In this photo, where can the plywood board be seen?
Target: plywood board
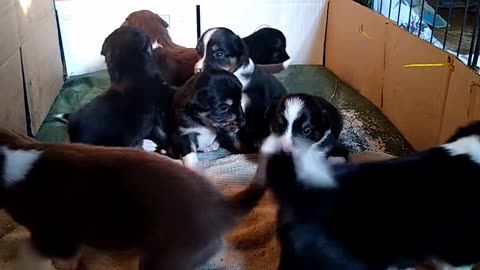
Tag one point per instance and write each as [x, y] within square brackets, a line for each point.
[303, 22]
[414, 98]
[463, 100]
[30, 13]
[43, 68]
[12, 106]
[355, 47]
[8, 31]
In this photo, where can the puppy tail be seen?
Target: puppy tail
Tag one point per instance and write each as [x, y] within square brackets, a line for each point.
[63, 117]
[244, 201]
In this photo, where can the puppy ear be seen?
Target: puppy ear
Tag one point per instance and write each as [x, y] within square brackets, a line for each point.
[243, 50]
[199, 100]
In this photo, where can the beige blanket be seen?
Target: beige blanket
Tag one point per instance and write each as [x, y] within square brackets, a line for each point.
[251, 245]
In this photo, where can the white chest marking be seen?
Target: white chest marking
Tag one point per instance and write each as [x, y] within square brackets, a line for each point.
[205, 136]
[469, 146]
[18, 163]
[244, 73]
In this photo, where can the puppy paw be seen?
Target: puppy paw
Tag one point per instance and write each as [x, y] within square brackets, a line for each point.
[66, 264]
[149, 146]
[336, 160]
[213, 147]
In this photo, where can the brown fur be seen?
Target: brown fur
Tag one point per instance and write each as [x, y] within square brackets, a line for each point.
[121, 199]
[152, 24]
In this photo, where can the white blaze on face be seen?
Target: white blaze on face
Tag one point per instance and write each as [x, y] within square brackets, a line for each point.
[469, 146]
[18, 163]
[200, 65]
[293, 109]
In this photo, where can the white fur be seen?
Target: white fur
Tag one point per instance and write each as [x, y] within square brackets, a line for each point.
[18, 163]
[244, 73]
[469, 146]
[274, 144]
[191, 160]
[311, 166]
[287, 63]
[156, 45]
[245, 101]
[200, 65]
[205, 138]
[293, 108]
[149, 145]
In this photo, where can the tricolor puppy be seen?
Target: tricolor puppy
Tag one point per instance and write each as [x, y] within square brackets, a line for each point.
[137, 103]
[395, 213]
[309, 117]
[220, 48]
[71, 196]
[208, 113]
[267, 46]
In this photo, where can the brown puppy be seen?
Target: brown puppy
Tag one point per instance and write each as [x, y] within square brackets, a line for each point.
[71, 196]
[176, 62]
[152, 24]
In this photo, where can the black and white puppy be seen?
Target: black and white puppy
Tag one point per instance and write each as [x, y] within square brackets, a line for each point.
[267, 46]
[208, 114]
[394, 213]
[135, 106]
[221, 48]
[309, 117]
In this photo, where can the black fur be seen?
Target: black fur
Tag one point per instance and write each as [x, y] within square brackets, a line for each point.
[316, 118]
[267, 46]
[135, 107]
[209, 101]
[402, 212]
[226, 50]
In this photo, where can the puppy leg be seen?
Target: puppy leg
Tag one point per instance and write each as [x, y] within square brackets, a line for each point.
[213, 147]
[188, 151]
[63, 250]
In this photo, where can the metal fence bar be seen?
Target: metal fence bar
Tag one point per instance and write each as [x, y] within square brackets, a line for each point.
[474, 35]
[421, 18]
[448, 23]
[435, 20]
[389, 9]
[463, 27]
[399, 8]
[410, 15]
[477, 49]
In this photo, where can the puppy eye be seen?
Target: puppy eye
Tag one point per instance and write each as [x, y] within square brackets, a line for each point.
[218, 54]
[306, 131]
[224, 108]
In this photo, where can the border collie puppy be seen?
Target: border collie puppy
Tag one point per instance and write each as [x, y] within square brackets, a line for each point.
[309, 117]
[135, 106]
[208, 114]
[153, 25]
[267, 46]
[71, 196]
[220, 48]
[393, 213]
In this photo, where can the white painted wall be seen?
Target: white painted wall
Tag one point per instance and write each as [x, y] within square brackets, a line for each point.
[84, 24]
[302, 21]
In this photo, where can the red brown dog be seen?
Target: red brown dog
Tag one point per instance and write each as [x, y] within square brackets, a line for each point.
[71, 196]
